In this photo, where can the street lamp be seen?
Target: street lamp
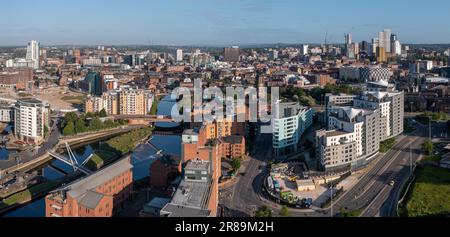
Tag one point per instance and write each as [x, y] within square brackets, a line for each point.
[410, 159]
[331, 190]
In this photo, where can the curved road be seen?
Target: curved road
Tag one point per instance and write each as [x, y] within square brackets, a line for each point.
[372, 194]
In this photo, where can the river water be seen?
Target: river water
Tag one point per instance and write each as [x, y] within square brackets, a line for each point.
[142, 158]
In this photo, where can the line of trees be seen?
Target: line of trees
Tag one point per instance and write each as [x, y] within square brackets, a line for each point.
[73, 124]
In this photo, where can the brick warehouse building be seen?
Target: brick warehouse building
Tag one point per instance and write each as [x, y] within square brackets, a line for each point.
[97, 195]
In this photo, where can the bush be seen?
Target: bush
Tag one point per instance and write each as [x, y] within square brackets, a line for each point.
[263, 211]
[428, 146]
[385, 146]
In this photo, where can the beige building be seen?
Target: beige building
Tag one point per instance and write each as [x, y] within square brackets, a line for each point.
[126, 101]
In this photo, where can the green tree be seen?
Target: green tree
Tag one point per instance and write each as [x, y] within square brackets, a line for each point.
[154, 109]
[236, 163]
[428, 146]
[263, 211]
[46, 130]
[109, 123]
[71, 117]
[103, 114]
[96, 124]
[285, 212]
[89, 115]
[69, 129]
[80, 126]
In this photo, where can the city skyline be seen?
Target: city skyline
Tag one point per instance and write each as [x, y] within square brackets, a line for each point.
[218, 22]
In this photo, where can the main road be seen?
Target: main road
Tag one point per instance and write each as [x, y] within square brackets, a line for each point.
[372, 194]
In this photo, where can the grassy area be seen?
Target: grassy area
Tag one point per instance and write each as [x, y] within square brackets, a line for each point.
[118, 146]
[154, 109]
[385, 146]
[79, 99]
[28, 194]
[432, 158]
[355, 213]
[100, 158]
[429, 195]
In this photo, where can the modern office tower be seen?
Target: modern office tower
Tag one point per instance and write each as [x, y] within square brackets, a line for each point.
[348, 39]
[232, 54]
[179, 55]
[381, 55]
[397, 48]
[357, 124]
[92, 84]
[305, 49]
[97, 195]
[375, 45]
[365, 47]
[352, 50]
[33, 53]
[32, 118]
[290, 122]
[385, 40]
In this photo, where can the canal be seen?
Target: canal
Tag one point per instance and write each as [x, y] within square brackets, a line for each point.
[142, 158]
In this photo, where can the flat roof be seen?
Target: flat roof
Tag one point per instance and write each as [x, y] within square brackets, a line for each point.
[197, 165]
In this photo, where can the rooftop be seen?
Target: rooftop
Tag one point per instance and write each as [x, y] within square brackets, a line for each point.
[197, 165]
[91, 199]
[81, 187]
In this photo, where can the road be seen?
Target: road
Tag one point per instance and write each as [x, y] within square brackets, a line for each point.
[29, 155]
[372, 194]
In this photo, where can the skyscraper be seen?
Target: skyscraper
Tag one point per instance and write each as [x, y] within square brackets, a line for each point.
[232, 54]
[179, 55]
[33, 53]
[385, 40]
[305, 49]
[348, 39]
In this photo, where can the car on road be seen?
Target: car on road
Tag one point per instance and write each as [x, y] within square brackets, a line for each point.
[392, 183]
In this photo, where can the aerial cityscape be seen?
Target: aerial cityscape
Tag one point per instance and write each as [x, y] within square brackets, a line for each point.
[234, 113]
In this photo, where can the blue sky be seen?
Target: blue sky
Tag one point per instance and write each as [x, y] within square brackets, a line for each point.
[220, 22]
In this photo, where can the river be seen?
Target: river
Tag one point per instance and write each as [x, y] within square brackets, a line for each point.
[142, 158]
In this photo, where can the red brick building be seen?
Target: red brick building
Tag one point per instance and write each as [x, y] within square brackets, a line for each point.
[164, 170]
[97, 195]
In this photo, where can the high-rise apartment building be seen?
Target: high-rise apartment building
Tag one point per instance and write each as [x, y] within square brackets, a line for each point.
[232, 54]
[290, 122]
[33, 53]
[124, 101]
[357, 124]
[179, 55]
[32, 118]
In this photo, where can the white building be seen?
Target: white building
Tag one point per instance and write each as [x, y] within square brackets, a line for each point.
[384, 38]
[179, 55]
[304, 50]
[290, 122]
[6, 114]
[33, 53]
[357, 124]
[32, 117]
